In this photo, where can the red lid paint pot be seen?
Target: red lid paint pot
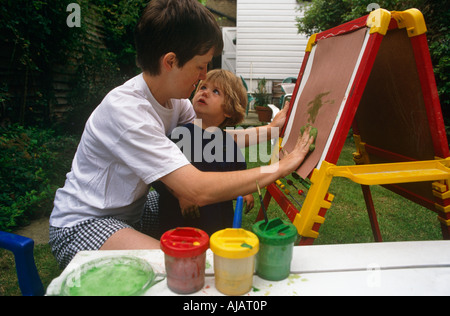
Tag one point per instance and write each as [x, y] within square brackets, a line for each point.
[185, 258]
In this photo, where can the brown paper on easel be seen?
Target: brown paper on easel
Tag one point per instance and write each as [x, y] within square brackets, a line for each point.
[334, 62]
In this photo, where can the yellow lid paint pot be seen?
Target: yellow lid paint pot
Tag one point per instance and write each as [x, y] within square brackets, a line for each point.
[234, 260]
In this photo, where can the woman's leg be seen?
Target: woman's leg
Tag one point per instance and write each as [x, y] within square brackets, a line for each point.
[93, 234]
[128, 238]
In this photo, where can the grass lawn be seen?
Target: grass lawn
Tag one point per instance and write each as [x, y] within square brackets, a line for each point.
[346, 222]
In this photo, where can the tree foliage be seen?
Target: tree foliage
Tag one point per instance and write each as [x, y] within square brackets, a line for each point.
[36, 38]
[99, 54]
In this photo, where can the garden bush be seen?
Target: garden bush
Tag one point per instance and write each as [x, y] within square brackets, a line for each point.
[33, 163]
[33, 158]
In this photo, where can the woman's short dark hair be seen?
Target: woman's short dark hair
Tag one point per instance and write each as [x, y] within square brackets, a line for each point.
[184, 27]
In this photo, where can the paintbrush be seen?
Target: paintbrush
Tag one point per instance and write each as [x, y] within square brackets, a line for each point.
[262, 203]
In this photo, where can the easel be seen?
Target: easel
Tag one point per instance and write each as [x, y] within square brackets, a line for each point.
[392, 104]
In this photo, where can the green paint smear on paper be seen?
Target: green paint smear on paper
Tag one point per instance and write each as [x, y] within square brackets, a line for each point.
[316, 104]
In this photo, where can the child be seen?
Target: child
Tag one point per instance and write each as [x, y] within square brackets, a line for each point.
[220, 101]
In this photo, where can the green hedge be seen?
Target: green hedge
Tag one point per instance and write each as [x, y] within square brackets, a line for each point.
[33, 163]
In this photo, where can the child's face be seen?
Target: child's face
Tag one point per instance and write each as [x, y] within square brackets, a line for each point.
[208, 104]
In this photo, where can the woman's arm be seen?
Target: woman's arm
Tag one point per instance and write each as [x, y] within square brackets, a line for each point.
[205, 188]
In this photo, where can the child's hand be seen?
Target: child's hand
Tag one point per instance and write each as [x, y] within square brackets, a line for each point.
[249, 203]
[188, 209]
[280, 118]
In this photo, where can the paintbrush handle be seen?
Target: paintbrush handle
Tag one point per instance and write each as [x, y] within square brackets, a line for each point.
[237, 219]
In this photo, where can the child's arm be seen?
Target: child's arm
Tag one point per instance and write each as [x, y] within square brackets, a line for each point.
[211, 187]
[255, 135]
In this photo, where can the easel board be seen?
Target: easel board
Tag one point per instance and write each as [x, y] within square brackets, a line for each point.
[323, 91]
[383, 85]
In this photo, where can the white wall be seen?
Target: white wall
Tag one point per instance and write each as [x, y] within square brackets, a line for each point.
[229, 49]
[268, 45]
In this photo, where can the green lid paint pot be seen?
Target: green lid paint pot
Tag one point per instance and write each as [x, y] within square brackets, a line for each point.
[110, 276]
[277, 237]
[185, 259]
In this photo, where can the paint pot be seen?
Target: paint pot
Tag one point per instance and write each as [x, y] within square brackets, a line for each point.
[234, 260]
[277, 237]
[110, 276]
[185, 257]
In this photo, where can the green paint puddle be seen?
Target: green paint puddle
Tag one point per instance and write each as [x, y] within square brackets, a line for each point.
[110, 280]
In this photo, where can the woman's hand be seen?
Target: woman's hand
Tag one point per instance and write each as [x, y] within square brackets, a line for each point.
[294, 159]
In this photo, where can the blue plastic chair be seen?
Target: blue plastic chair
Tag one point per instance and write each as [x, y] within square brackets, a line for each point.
[29, 281]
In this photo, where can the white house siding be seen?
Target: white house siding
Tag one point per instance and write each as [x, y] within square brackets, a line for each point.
[268, 43]
[229, 49]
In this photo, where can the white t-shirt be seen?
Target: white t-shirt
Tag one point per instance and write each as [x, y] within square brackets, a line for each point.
[123, 149]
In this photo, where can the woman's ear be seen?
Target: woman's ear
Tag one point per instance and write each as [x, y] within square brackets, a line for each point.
[169, 61]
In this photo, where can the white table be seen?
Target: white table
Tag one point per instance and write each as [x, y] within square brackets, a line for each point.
[389, 268]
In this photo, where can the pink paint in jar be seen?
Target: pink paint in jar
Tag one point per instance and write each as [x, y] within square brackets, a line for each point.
[185, 258]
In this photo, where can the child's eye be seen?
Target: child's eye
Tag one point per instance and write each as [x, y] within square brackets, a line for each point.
[216, 91]
[202, 88]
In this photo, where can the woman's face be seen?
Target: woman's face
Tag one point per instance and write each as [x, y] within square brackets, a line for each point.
[186, 78]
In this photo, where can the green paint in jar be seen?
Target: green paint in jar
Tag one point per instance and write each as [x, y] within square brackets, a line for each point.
[277, 237]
